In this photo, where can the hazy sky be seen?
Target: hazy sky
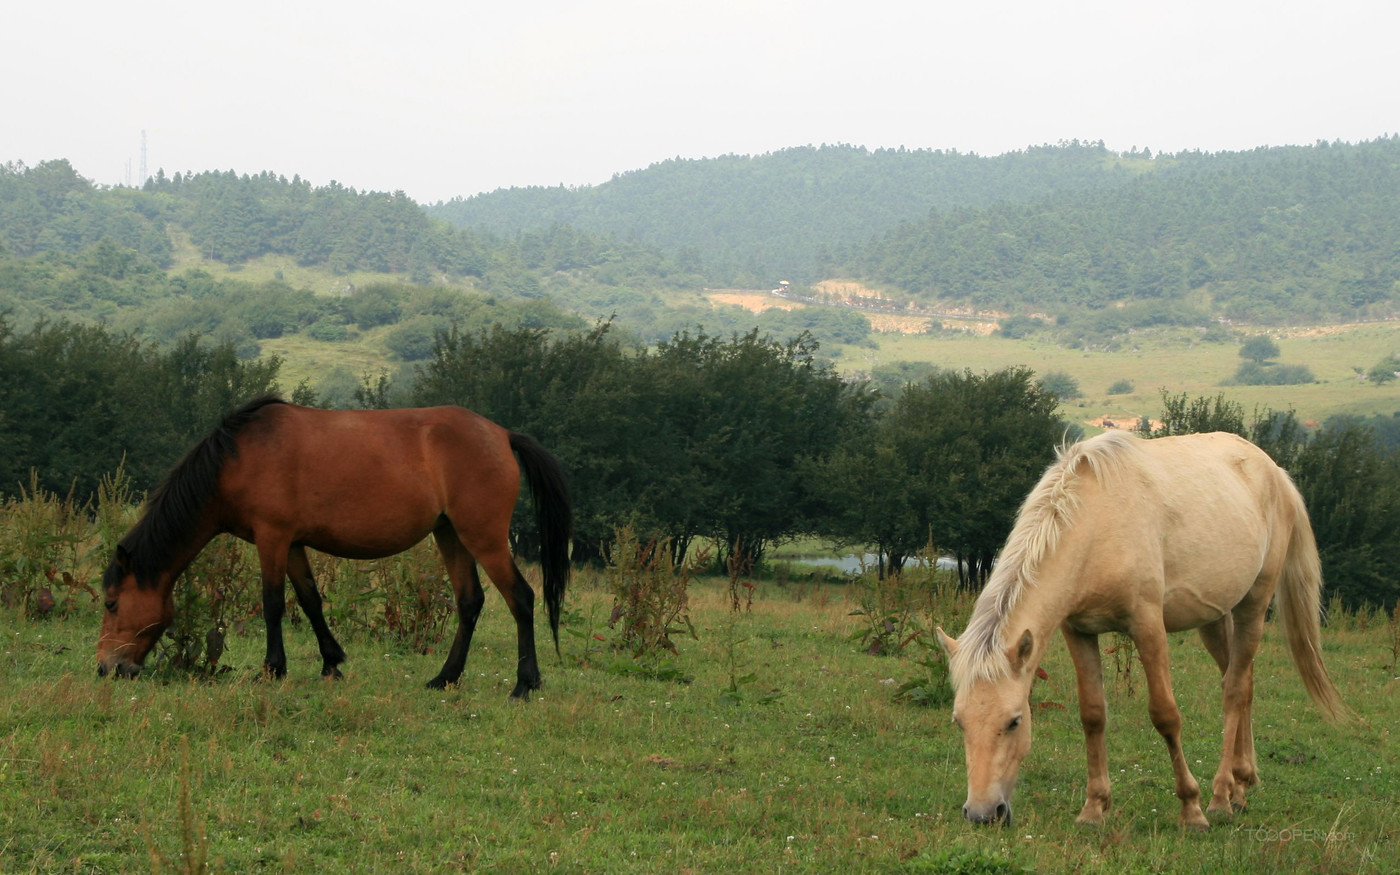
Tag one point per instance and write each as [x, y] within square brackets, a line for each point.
[441, 99]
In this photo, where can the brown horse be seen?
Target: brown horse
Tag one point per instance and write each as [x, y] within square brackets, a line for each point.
[1145, 538]
[355, 484]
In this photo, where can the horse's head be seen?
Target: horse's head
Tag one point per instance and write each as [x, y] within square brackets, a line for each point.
[135, 618]
[995, 718]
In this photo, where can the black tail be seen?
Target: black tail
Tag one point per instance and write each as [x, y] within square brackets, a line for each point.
[553, 515]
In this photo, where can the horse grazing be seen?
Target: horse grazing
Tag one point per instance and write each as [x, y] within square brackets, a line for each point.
[1146, 538]
[355, 484]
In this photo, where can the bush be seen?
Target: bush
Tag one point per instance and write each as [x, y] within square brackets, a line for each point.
[1253, 373]
[1017, 327]
[1121, 387]
[413, 340]
[1060, 384]
[650, 594]
[328, 330]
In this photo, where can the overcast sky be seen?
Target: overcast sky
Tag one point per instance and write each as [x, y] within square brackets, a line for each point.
[439, 99]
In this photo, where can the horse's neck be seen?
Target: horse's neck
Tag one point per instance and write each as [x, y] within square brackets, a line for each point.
[1041, 609]
[180, 559]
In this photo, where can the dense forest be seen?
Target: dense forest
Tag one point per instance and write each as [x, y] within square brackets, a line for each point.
[1271, 235]
[1282, 235]
[794, 214]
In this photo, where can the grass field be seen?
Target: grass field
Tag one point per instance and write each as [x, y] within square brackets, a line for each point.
[605, 772]
[1174, 362]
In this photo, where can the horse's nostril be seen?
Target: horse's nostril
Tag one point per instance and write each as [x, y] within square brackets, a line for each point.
[1001, 811]
[101, 670]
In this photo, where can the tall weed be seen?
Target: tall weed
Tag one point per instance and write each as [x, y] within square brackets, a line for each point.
[650, 594]
[41, 551]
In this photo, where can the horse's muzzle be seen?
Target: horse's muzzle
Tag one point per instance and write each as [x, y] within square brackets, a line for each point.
[1000, 815]
[120, 670]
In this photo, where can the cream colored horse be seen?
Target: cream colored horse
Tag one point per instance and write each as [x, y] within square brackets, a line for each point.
[1142, 537]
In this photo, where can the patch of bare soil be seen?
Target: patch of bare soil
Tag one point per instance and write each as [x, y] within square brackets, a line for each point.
[753, 301]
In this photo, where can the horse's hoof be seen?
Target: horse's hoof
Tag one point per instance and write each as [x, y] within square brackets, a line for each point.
[331, 672]
[437, 683]
[1193, 825]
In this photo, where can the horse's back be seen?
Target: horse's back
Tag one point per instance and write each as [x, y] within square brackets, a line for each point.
[1202, 516]
[365, 481]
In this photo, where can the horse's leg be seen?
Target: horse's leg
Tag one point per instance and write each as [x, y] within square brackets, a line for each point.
[309, 597]
[1150, 636]
[1239, 771]
[501, 568]
[273, 561]
[466, 590]
[1093, 714]
[1216, 637]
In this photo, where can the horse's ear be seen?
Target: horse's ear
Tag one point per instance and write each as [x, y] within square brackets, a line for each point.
[123, 559]
[949, 645]
[1023, 651]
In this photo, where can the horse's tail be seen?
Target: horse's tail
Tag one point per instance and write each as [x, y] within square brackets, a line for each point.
[1299, 606]
[554, 517]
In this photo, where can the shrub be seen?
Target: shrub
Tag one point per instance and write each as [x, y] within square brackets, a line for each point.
[1121, 387]
[1060, 384]
[1253, 373]
[650, 594]
[328, 330]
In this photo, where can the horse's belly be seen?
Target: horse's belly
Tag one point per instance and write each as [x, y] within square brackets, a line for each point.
[1186, 609]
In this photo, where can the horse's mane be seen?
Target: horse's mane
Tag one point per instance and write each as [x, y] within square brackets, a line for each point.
[1044, 515]
[175, 505]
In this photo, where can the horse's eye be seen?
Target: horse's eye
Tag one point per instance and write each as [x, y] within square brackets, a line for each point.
[1015, 722]
[111, 606]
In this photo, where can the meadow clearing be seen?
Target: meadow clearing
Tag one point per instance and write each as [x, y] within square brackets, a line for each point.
[771, 742]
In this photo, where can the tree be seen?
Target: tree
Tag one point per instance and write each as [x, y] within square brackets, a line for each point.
[1383, 371]
[1060, 384]
[1259, 349]
[949, 462]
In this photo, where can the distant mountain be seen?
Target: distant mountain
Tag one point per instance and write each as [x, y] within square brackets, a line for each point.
[1273, 235]
[793, 214]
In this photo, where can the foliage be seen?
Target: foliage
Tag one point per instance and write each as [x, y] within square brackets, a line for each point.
[1383, 371]
[1017, 327]
[1259, 348]
[1184, 415]
[42, 541]
[1254, 374]
[1121, 387]
[219, 592]
[413, 593]
[755, 220]
[75, 399]
[650, 599]
[1059, 384]
[1282, 234]
[950, 460]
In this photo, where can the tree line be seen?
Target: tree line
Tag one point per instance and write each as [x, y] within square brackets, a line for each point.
[743, 441]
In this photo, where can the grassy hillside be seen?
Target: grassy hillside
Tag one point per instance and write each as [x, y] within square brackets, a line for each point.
[1173, 361]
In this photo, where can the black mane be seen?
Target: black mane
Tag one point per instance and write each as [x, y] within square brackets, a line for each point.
[175, 505]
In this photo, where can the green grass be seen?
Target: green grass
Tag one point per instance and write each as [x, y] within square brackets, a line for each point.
[1172, 361]
[607, 773]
